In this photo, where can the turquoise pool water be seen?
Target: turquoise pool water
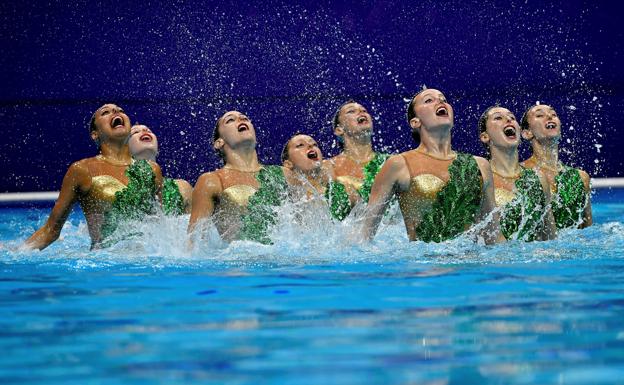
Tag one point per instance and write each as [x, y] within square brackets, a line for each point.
[313, 310]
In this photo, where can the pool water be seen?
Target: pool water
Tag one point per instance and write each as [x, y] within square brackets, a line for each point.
[313, 309]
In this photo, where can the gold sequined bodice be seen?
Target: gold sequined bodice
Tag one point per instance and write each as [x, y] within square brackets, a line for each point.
[349, 180]
[503, 196]
[422, 192]
[104, 187]
[235, 198]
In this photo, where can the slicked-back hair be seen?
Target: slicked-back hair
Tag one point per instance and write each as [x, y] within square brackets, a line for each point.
[524, 122]
[285, 155]
[336, 119]
[411, 114]
[217, 135]
[482, 127]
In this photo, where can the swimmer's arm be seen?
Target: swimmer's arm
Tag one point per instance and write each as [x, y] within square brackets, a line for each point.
[587, 212]
[491, 231]
[76, 178]
[186, 190]
[205, 193]
[393, 176]
[549, 224]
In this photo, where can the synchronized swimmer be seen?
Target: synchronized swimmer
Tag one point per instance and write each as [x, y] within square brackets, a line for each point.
[441, 193]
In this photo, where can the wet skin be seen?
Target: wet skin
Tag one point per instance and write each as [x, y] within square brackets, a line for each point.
[544, 133]
[112, 127]
[143, 144]
[222, 193]
[429, 162]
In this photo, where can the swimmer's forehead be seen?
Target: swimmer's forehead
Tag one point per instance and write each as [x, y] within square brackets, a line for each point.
[542, 108]
[231, 114]
[108, 105]
[302, 138]
[429, 92]
[499, 110]
[351, 105]
[139, 127]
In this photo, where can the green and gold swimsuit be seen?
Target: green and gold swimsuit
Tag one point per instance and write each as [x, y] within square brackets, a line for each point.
[336, 193]
[522, 210]
[172, 199]
[569, 199]
[132, 202]
[435, 211]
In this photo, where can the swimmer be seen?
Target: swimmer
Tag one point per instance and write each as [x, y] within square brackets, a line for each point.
[441, 193]
[223, 194]
[97, 182]
[358, 164]
[304, 180]
[176, 193]
[523, 194]
[571, 205]
[308, 176]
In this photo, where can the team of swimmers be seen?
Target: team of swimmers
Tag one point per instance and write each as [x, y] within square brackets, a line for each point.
[441, 193]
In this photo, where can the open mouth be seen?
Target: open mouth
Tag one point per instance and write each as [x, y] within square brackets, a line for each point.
[243, 127]
[510, 132]
[362, 119]
[551, 126]
[312, 155]
[442, 111]
[117, 121]
[145, 138]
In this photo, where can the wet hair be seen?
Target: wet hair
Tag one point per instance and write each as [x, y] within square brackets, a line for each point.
[217, 135]
[336, 118]
[482, 127]
[524, 122]
[284, 155]
[411, 114]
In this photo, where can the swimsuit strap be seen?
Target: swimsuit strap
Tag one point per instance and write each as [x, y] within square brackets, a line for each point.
[407, 163]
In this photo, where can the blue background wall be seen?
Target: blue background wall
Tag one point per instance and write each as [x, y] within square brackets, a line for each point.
[176, 66]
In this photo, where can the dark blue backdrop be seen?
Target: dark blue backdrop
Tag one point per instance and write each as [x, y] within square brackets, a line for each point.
[176, 66]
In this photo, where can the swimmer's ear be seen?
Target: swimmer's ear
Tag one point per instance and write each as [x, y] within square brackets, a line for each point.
[485, 138]
[288, 164]
[526, 134]
[339, 130]
[415, 123]
[95, 136]
[218, 144]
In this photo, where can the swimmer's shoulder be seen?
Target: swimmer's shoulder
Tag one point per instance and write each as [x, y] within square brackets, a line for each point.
[585, 178]
[209, 183]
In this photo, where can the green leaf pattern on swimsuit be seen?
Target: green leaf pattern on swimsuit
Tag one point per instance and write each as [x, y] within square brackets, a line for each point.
[172, 200]
[336, 193]
[132, 203]
[456, 205]
[522, 217]
[261, 214]
[570, 200]
[338, 199]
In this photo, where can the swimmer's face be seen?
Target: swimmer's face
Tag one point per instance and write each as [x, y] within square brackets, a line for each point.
[143, 143]
[235, 128]
[354, 121]
[544, 124]
[432, 110]
[303, 154]
[502, 129]
[110, 122]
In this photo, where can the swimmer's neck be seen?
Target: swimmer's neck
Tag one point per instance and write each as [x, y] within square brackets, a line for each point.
[504, 161]
[148, 155]
[359, 152]
[116, 151]
[437, 143]
[546, 153]
[242, 160]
